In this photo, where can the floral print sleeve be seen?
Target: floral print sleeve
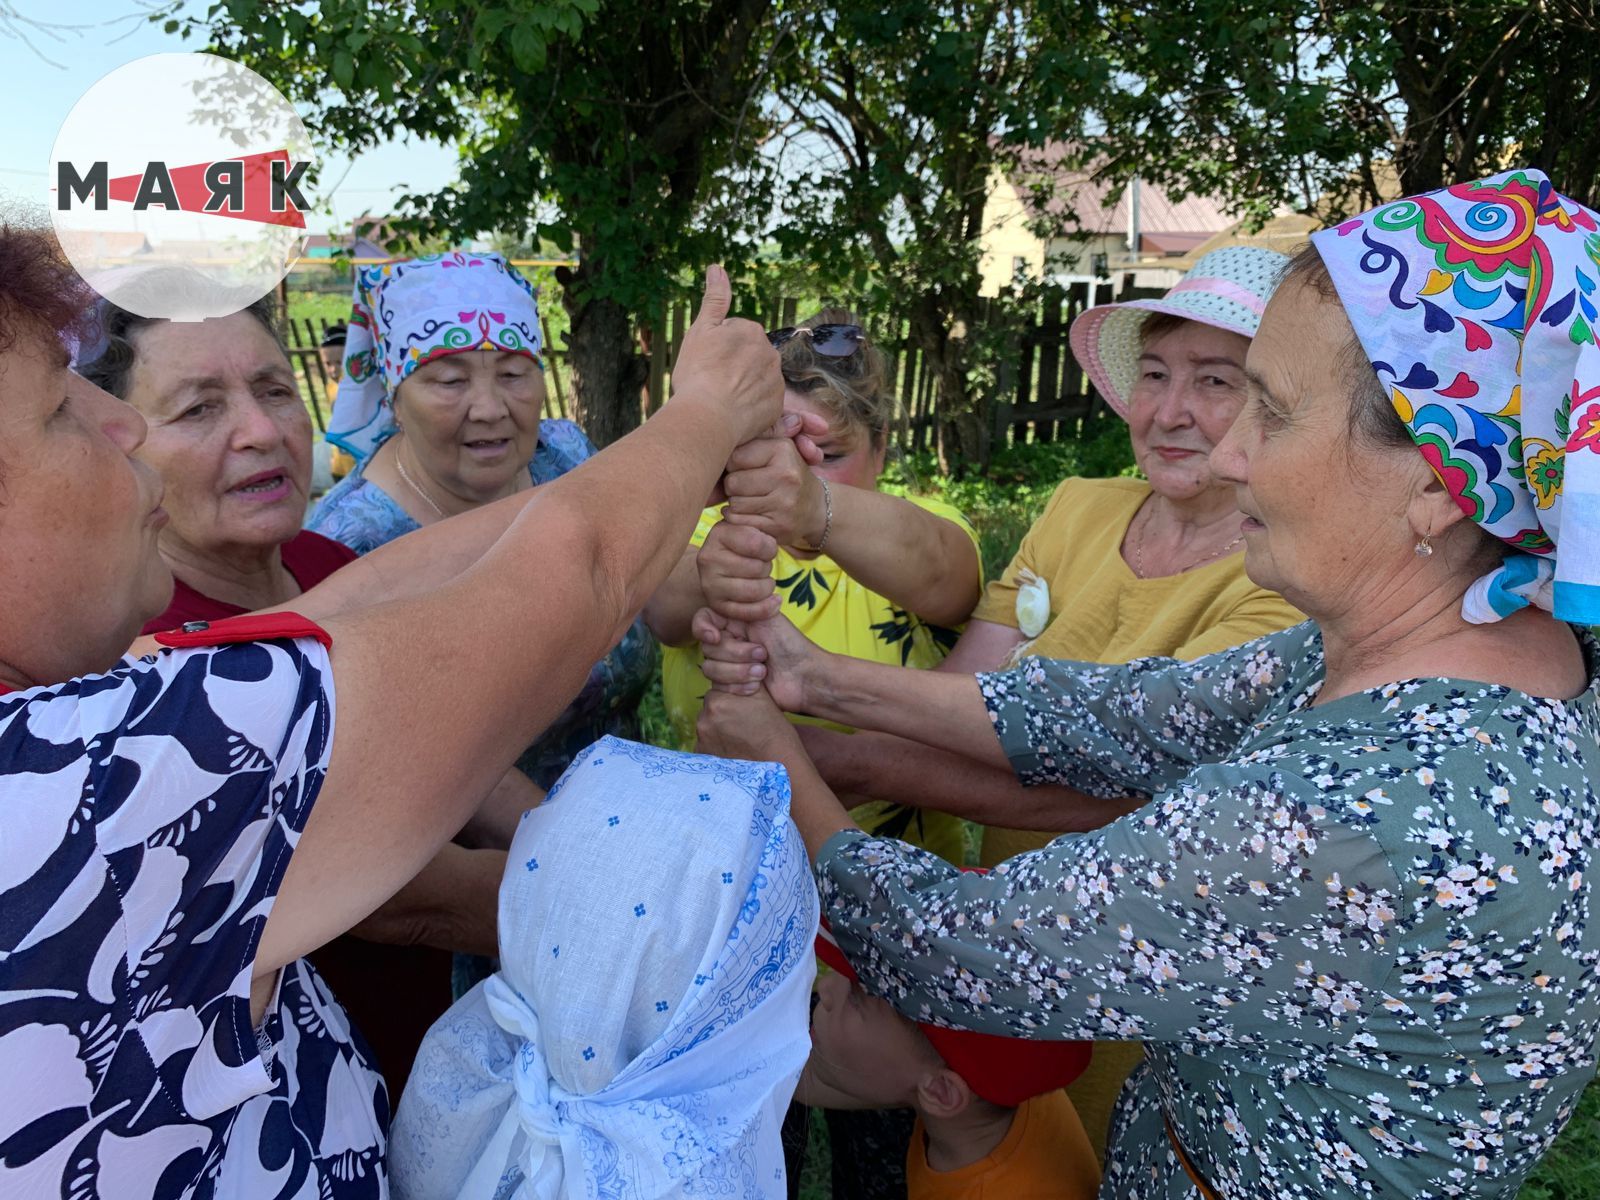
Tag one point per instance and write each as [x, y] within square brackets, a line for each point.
[1355, 942]
[1134, 728]
[1173, 921]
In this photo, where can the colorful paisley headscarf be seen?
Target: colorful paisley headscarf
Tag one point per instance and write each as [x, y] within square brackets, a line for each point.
[1476, 305]
[412, 311]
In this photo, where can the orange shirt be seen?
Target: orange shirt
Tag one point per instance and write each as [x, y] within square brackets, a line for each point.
[1045, 1156]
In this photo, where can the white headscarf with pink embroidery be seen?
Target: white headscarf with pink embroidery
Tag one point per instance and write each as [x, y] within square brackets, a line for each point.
[1477, 307]
[410, 312]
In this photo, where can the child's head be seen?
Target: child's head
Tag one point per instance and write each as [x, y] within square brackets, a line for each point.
[864, 1054]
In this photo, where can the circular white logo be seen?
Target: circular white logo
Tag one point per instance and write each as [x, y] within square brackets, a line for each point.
[176, 186]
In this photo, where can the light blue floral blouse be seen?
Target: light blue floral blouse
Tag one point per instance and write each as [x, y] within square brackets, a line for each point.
[363, 516]
[1355, 938]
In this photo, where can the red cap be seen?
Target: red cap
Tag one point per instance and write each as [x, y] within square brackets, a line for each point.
[1003, 1070]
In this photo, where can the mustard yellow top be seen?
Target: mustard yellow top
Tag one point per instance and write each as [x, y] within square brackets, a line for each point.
[840, 615]
[1100, 611]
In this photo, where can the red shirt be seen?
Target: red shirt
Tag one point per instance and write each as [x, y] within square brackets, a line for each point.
[308, 556]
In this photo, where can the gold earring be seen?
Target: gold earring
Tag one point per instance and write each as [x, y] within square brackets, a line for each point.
[1424, 548]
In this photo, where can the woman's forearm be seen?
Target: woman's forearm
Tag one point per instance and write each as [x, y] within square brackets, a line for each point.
[886, 767]
[929, 707]
[917, 560]
[451, 904]
[495, 823]
[428, 558]
[412, 565]
[438, 692]
[669, 612]
[813, 806]
[640, 508]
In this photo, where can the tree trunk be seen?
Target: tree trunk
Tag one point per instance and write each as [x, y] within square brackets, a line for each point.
[1420, 157]
[961, 428]
[607, 369]
[1423, 149]
[959, 416]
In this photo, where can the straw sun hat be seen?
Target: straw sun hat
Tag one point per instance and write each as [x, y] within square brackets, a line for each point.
[1227, 289]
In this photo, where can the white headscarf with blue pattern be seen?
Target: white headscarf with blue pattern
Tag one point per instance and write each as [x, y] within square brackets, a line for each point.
[650, 1018]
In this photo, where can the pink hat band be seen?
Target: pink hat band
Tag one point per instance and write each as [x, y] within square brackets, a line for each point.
[1225, 288]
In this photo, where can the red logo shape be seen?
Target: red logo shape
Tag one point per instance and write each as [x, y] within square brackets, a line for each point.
[194, 191]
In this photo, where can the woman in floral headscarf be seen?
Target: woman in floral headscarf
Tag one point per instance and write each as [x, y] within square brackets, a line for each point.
[441, 405]
[1352, 925]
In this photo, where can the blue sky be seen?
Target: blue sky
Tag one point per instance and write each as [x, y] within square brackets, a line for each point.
[74, 44]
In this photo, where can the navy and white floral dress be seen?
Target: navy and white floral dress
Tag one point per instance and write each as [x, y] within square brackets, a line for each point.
[147, 817]
[1356, 938]
[363, 517]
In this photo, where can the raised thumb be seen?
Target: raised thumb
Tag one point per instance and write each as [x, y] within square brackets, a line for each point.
[717, 299]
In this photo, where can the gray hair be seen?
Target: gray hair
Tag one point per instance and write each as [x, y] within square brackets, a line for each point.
[1372, 417]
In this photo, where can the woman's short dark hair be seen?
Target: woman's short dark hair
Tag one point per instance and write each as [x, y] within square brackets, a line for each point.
[1372, 416]
[1373, 420]
[40, 293]
[116, 331]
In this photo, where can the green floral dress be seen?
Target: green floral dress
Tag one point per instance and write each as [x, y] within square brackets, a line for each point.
[1356, 938]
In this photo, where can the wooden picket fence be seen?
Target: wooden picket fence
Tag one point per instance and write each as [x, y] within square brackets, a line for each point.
[1041, 394]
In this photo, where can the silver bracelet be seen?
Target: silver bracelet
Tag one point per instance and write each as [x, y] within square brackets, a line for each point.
[827, 516]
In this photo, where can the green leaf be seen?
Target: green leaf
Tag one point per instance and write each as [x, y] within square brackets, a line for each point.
[558, 234]
[528, 47]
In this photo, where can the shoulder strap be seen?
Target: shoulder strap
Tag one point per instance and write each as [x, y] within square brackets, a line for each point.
[251, 627]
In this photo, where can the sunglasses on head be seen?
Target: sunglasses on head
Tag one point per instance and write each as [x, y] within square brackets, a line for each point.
[830, 341]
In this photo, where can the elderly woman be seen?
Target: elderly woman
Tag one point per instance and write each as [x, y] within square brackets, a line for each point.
[183, 828]
[441, 404]
[1351, 923]
[230, 438]
[1113, 570]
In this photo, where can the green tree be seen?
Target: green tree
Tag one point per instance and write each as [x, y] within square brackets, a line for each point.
[901, 114]
[1329, 106]
[614, 131]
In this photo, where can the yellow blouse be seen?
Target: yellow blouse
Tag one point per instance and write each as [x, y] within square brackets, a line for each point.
[1100, 611]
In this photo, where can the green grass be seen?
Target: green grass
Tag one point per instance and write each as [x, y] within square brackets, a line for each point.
[654, 727]
[816, 1177]
[319, 306]
[1571, 1171]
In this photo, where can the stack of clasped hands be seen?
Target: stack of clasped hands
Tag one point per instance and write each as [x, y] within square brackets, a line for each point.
[772, 499]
